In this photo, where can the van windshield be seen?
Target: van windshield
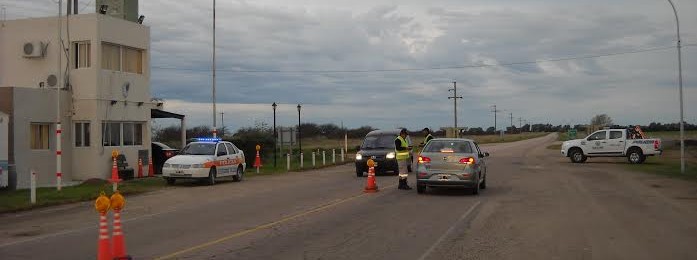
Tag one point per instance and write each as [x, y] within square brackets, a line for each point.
[378, 142]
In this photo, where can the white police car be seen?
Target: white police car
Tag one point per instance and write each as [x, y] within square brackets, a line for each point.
[208, 159]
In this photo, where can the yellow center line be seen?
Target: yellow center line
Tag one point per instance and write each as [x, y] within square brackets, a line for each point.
[265, 226]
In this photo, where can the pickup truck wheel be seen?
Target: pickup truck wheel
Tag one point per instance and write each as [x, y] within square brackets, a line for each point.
[577, 156]
[635, 156]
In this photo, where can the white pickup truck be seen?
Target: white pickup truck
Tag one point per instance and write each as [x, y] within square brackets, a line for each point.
[611, 143]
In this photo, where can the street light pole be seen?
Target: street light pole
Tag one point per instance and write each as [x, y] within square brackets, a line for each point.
[222, 124]
[275, 136]
[215, 123]
[454, 98]
[300, 135]
[682, 121]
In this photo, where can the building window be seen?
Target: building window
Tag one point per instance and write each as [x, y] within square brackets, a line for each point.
[112, 133]
[39, 136]
[111, 57]
[82, 134]
[82, 55]
[122, 58]
[132, 60]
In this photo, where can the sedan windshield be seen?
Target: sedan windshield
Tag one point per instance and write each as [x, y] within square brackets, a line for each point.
[378, 142]
[199, 149]
[436, 146]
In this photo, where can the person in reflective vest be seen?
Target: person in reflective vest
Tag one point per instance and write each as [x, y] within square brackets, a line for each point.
[402, 149]
[428, 137]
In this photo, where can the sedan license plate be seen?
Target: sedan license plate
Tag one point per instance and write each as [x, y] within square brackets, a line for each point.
[179, 172]
[443, 177]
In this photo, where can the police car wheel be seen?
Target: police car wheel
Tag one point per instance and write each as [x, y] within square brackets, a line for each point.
[211, 177]
[239, 176]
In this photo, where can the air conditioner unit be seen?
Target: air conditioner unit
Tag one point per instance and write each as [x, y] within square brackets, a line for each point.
[34, 49]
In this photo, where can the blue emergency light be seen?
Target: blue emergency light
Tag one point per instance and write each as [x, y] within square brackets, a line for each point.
[208, 139]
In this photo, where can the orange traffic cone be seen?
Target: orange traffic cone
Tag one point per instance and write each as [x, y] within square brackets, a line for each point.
[151, 169]
[117, 202]
[370, 185]
[103, 243]
[140, 168]
[257, 161]
[114, 175]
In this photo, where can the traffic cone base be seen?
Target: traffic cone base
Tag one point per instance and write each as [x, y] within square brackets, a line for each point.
[118, 239]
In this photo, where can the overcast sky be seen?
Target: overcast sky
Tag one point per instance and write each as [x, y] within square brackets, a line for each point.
[331, 57]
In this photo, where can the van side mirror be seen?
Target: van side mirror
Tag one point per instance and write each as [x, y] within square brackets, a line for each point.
[486, 154]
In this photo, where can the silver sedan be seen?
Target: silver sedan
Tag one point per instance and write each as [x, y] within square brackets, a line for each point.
[451, 162]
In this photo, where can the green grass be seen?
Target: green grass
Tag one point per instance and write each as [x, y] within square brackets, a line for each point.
[15, 200]
[668, 164]
[486, 139]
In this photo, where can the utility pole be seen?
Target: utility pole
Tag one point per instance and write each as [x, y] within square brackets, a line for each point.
[520, 122]
[495, 112]
[222, 124]
[454, 98]
[512, 121]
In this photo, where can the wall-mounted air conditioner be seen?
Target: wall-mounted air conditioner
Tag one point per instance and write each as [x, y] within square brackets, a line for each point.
[34, 49]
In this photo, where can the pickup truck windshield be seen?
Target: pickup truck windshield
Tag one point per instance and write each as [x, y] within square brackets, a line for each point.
[199, 149]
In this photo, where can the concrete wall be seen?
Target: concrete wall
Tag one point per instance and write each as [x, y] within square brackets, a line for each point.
[38, 106]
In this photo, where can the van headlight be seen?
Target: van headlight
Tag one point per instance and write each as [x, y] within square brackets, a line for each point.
[359, 157]
[390, 155]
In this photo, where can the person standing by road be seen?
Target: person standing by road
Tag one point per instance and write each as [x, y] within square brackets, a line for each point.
[402, 149]
[428, 137]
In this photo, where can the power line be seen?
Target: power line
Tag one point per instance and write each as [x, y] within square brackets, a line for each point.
[434, 68]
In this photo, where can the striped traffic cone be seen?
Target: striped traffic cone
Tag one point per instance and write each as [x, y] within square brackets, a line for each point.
[151, 169]
[117, 202]
[102, 205]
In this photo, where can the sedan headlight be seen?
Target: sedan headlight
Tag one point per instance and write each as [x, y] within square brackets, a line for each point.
[167, 165]
[197, 166]
[359, 157]
[390, 156]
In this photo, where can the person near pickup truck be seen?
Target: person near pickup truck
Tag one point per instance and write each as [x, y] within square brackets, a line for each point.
[402, 149]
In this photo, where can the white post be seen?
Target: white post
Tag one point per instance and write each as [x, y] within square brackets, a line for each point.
[60, 85]
[302, 160]
[288, 161]
[33, 187]
[313, 160]
[333, 156]
[324, 158]
[342, 154]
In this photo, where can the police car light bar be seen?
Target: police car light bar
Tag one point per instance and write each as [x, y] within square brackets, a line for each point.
[208, 139]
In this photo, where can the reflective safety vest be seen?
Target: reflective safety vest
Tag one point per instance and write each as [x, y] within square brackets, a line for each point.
[428, 138]
[402, 155]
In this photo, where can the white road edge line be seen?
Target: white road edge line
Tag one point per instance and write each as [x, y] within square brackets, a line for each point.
[450, 230]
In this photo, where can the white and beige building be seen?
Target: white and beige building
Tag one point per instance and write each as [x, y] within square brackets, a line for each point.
[100, 66]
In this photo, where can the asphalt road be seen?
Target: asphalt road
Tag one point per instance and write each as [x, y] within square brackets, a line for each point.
[537, 206]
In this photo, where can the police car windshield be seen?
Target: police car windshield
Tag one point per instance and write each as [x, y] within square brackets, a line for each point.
[378, 142]
[199, 149]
